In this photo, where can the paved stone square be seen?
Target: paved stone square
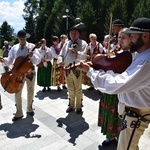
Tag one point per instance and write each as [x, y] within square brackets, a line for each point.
[52, 128]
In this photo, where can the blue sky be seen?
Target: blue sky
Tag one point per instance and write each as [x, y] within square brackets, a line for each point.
[12, 11]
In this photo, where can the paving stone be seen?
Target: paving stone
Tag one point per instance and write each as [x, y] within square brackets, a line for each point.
[52, 128]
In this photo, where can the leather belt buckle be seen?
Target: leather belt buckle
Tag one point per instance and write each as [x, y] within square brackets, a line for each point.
[132, 112]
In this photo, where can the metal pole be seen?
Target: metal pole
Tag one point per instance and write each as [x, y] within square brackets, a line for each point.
[67, 23]
[67, 15]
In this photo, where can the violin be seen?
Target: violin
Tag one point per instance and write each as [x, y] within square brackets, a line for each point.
[118, 61]
[12, 80]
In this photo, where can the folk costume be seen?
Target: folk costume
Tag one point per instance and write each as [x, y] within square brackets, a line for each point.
[44, 72]
[24, 50]
[72, 52]
[57, 72]
[132, 87]
[91, 51]
[108, 119]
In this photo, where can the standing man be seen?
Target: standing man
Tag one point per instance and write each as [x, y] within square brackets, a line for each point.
[72, 52]
[132, 86]
[23, 48]
[6, 48]
[117, 25]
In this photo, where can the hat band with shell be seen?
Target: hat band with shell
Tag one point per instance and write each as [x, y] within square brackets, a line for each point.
[140, 25]
[139, 29]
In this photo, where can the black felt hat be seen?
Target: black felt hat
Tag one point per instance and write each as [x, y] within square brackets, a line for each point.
[140, 25]
[78, 27]
[54, 38]
[23, 34]
[117, 22]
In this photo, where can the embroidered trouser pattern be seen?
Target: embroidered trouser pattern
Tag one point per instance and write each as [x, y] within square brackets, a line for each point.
[125, 135]
[74, 84]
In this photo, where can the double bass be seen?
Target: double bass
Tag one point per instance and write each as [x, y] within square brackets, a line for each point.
[12, 80]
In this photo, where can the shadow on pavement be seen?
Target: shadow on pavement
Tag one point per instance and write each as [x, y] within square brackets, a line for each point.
[74, 124]
[92, 94]
[110, 147]
[53, 94]
[23, 127]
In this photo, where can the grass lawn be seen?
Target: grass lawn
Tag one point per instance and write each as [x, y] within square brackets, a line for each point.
[0, 52]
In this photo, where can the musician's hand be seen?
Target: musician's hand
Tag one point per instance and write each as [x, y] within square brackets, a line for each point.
[83, 66]
[88, 57]
[61, 64]
[105, 44]
[30, 54]
[43, 60]
[72, 51]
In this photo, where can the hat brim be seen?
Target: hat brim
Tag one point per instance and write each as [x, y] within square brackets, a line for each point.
[117, 25]
[129, 31]
[22, 37]
[26, 36]
[74, 29]
[78, 27]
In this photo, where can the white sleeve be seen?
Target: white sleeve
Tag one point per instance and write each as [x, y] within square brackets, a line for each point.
[133, 79]
[36, 58]
[82, 54]
[53, 52]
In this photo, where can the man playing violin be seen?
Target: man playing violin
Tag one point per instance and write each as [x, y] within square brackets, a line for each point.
[72, 52]
[132, 86]
[23, 49]
[117, 25]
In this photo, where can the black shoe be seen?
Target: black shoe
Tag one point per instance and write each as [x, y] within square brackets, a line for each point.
[78, 111]
[31, 113]
[44, 89]
[90, 88]
[16, 118]
[64, 87]
[48, 89]
[68, 110]
[106, 143]
[59, 89]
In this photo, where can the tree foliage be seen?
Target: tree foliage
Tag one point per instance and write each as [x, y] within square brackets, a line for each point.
[44, 18]
[6, 32]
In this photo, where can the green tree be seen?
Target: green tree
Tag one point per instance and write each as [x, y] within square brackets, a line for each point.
[31, 11]
[43, 22]
[142, 9]
[6, 32]
[44, 18]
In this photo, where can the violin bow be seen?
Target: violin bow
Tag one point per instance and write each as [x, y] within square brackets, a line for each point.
[109, 32]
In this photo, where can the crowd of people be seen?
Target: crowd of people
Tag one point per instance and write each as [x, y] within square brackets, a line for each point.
[124, 106]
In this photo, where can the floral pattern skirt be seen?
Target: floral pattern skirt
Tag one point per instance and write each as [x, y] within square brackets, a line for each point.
[108, 119]
[58, 76]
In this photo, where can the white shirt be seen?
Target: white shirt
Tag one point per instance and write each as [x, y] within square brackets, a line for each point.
[53, 51]
[67, 57]
[92, 47]
[45, 53]
[132, 86]
[16, 51]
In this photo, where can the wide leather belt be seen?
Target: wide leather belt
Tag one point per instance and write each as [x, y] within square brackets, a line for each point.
[133, 112]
